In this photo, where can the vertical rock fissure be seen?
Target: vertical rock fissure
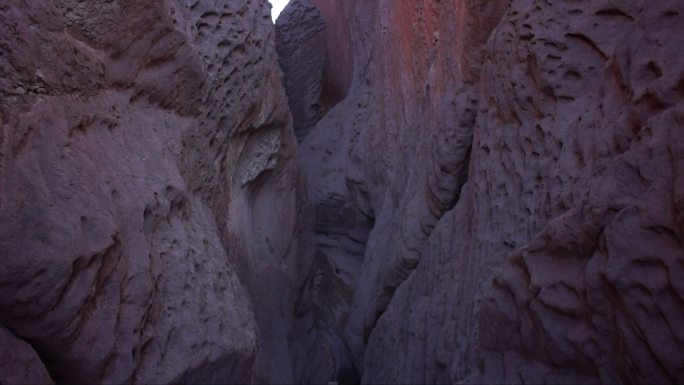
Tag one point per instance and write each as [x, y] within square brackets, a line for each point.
[456, 191]
[337, 155]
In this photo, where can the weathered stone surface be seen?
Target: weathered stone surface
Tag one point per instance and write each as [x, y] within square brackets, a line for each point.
[19, 363]
[387, 158]
[494, 191]
[301, 43]
[498, 198]
[592, 292]
[147, 191]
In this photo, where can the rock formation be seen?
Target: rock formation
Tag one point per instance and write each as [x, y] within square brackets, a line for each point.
[302, 55]
[498, 198]
[147, 191]
[370, 191]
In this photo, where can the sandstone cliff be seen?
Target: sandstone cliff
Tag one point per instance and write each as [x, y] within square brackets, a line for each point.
[147, 190]
[373, 191]
[498, 197]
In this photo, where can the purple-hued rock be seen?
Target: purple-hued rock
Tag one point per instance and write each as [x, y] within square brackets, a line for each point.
[149, 198]
[482, 192]
[301, 44]
[511, 174]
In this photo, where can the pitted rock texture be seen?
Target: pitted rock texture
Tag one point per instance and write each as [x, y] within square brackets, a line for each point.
[147, 190]
[301, 43]
[498, 198]
[492, 191]
[385, 163]
[593, 292]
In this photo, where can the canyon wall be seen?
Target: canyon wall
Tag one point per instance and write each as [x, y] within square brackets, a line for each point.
[498, 195]
[374, 191]
[149, 199]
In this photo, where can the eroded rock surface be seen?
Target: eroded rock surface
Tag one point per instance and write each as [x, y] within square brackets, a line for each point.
[593, 290]
[498, 198]
[147, 192]
[19, 363]
[492, 191]
[301, 43]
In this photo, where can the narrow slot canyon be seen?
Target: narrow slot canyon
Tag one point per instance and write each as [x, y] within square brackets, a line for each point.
[352, 192]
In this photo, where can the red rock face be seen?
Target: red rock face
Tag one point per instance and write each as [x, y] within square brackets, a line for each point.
[498, 197]
[147, 190]
[339, 25]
